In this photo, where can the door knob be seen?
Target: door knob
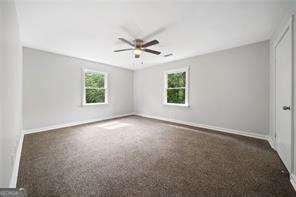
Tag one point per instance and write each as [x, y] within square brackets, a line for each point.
[286, 108]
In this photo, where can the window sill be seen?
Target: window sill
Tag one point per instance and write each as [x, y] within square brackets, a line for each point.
[178, 105]
[93, 104]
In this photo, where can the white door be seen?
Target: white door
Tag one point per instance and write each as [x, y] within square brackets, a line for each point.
[283, 57]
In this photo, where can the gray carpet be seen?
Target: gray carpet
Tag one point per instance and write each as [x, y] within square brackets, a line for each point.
[135, 156]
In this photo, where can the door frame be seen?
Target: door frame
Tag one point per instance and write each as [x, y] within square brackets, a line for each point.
[285, 30]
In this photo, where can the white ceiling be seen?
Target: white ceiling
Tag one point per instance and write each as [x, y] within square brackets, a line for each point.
[89, 29]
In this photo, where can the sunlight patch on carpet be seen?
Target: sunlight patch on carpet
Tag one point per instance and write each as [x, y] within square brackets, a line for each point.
[113, 125]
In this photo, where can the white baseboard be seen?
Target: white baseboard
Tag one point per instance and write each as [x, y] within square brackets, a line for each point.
[271, 143]
[16, 163]
[225, 130]
[48, 128]
[293, 180]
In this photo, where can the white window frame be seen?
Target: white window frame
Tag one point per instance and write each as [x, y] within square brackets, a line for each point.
[166, 73]
[84, 71]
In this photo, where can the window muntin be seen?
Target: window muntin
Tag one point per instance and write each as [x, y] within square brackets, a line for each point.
[95, 87]
[176, 87]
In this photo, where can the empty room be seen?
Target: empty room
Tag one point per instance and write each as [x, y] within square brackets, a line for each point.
[147, 98]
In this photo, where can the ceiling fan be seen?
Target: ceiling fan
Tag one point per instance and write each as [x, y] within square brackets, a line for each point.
[138, 46]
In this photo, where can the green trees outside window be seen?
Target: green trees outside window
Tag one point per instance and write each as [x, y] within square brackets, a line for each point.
[94, 87]
[176, 88]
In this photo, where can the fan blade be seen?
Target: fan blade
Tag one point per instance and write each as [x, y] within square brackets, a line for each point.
[126, 41]
[124, 50]
[152, 51]
[137, 56]
[148, 44]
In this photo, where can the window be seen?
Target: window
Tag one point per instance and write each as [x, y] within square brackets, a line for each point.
[176, 87]
[95, 87]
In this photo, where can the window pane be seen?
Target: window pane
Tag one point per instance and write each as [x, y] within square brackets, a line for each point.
[94, 80]
[176, 96]
[176, 80]
[95, 95]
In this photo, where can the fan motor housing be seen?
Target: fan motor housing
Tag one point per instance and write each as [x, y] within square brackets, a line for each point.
[138, 43]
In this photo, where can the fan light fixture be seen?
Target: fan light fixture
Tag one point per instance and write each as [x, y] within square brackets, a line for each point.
[137, 51]
[138, 46]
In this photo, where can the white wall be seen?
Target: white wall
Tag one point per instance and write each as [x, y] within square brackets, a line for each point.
[53, 90]
[1, 88]
[11, 90]
[227, 89]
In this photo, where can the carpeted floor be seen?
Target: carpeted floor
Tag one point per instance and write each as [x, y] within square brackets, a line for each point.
[135, 156]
